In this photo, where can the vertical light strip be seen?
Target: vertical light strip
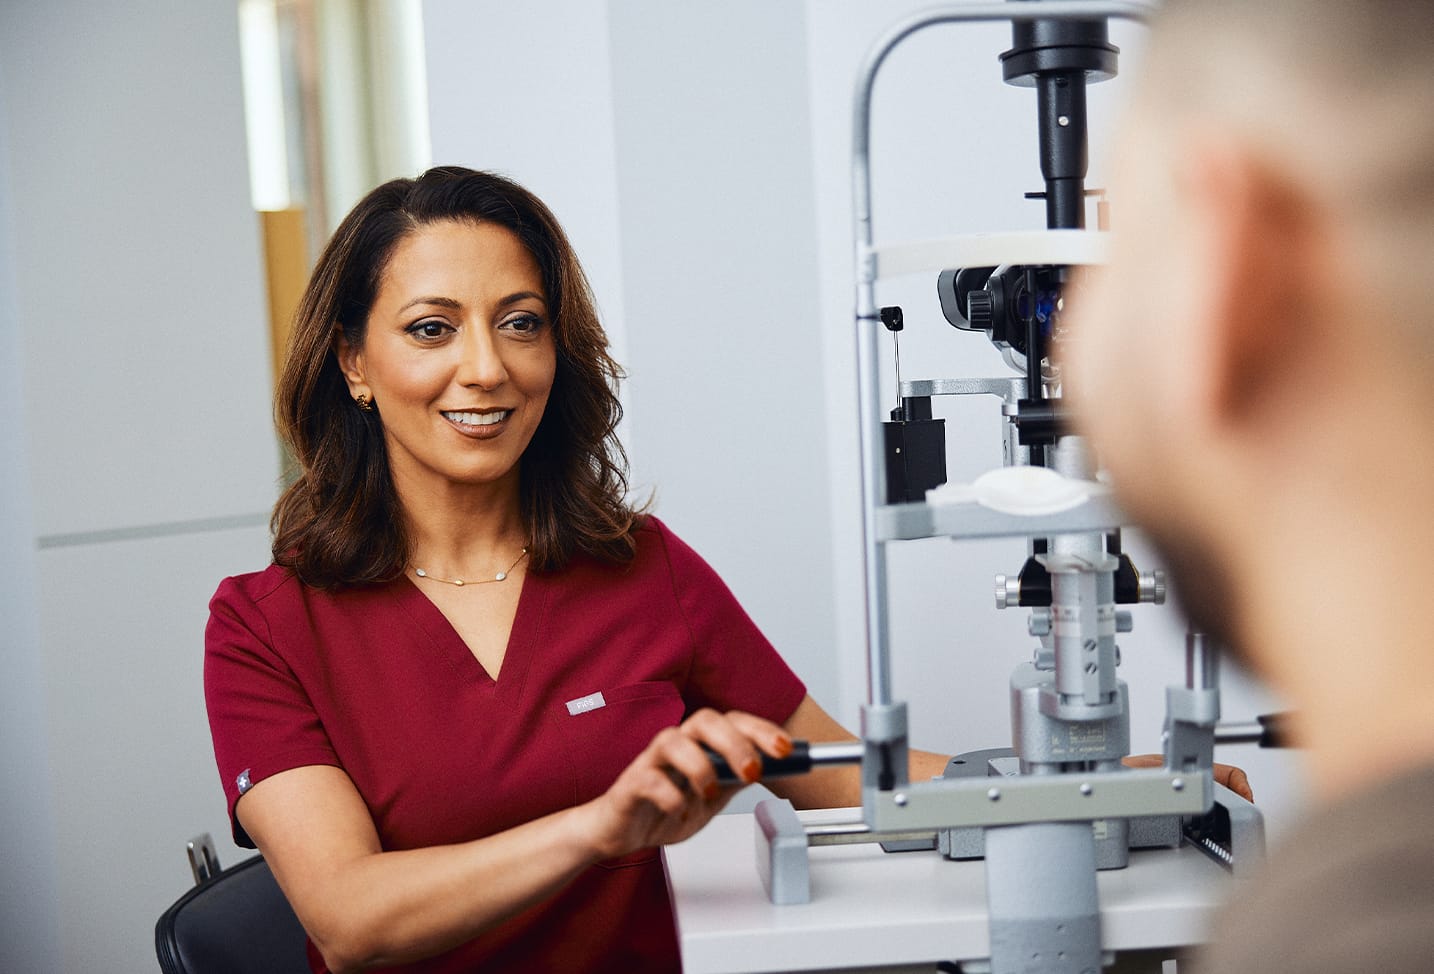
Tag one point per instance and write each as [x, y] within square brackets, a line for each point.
[402, 105]
[264, 104]
[346, 89]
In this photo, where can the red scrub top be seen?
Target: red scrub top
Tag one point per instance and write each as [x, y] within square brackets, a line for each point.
[375, 681]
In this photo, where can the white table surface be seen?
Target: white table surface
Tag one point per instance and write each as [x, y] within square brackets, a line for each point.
[871, 908]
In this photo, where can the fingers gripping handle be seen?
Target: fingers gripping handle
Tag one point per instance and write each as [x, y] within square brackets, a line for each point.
[798, 762]
[804, 757]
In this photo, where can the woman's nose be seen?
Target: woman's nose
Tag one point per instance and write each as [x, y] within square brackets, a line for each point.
[480, 363]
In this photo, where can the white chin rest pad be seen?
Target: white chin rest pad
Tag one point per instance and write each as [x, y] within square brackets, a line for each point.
[1018, 490]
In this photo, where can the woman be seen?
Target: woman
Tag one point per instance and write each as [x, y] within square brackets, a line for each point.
[465, 704]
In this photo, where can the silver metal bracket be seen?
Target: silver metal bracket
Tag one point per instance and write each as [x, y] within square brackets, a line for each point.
[782, 852]
[950, 803]
[1010, 389]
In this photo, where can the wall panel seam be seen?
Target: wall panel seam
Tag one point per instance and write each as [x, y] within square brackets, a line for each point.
[166, 529]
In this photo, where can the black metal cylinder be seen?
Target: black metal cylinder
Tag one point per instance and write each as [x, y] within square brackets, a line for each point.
[1064, 152]
[1058, 58]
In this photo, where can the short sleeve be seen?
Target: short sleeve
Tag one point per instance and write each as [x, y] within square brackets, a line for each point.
[261, 719]
[734, 666]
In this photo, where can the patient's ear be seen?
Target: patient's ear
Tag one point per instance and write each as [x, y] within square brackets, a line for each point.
[1251, 238]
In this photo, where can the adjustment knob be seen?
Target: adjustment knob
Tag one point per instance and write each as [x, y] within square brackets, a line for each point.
[1008, 591]
[1038, 625]
[1152, 587]
[981, 309]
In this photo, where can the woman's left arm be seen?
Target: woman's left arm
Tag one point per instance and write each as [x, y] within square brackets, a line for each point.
[836, 787]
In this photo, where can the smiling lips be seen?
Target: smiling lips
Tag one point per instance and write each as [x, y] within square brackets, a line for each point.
[481, 424]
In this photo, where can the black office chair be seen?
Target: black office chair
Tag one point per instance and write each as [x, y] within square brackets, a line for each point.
[235, 921]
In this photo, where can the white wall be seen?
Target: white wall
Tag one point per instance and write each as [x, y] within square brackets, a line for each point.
[29, 928]
[701, 155]
[139, 465]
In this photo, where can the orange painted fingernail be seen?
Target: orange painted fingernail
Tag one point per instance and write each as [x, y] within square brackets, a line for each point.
[783, 747]
[751, 771]
[713, 790]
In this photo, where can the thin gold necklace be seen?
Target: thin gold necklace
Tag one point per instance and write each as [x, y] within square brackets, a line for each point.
[474, 581]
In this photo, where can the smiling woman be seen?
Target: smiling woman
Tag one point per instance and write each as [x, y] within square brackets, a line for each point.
[468, 700]
[459, 374]
[419, 263]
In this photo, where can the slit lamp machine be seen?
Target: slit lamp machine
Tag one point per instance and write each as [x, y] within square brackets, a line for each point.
[1056, 806]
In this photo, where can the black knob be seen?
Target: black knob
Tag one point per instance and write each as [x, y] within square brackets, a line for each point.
[981, 310]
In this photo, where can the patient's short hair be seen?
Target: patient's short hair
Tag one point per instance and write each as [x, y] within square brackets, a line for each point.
[1338, 92]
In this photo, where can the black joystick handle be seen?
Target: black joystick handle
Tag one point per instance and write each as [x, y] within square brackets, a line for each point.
[1276, 730]
[798, 762]
[1267, 730]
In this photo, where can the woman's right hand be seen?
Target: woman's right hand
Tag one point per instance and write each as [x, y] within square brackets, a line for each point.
[670, 790]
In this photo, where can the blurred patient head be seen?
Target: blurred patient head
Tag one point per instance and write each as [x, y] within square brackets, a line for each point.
[1254, 364]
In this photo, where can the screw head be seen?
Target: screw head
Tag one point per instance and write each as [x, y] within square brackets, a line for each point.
[900, 799]
[1086, 789]
[1178, 784]
[994, 794]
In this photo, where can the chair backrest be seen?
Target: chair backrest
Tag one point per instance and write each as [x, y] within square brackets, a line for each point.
[236, 922]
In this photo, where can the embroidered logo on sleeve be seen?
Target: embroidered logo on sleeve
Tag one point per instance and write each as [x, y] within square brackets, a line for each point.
[243, 781]
[583, 704]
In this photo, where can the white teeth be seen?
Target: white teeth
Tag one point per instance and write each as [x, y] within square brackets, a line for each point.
[479, 419]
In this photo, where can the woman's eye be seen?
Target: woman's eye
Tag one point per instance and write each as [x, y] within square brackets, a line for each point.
[523, 324]
[428, 329]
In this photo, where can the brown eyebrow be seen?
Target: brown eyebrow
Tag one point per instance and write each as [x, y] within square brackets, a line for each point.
[454, 305]
[440, 302]
[521, 296]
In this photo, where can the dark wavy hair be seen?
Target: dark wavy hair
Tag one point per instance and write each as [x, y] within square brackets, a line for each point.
[339, 523]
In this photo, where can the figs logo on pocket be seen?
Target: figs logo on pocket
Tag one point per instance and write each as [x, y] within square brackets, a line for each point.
[582, 705]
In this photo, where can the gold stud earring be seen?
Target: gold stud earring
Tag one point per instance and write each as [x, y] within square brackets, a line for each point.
[364, 402]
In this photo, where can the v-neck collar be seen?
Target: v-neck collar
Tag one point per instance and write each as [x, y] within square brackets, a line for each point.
[446, 641]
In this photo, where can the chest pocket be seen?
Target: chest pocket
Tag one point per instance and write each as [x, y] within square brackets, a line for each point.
[604, 739]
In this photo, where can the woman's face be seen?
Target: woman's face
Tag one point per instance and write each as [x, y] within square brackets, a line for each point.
[458, 356]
